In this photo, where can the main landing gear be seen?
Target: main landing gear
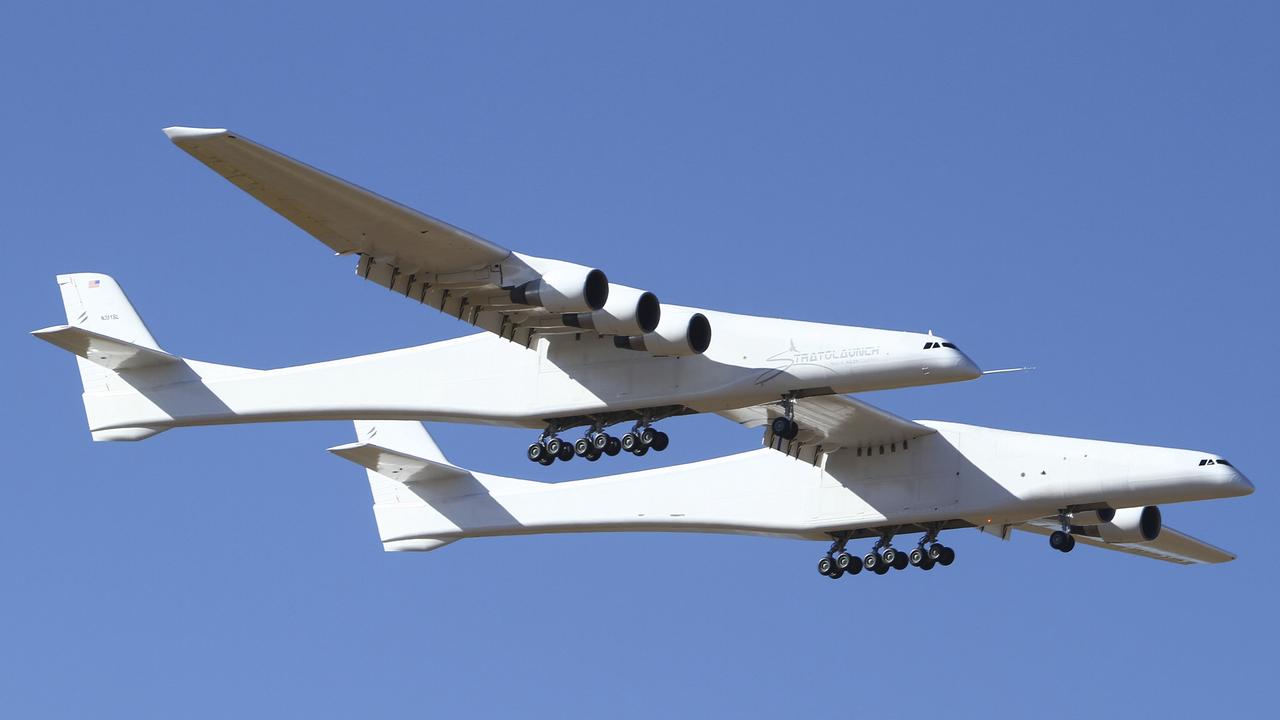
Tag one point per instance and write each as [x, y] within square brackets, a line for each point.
[597, 442]
[883, 557]
[786, 427]
[1062, 540]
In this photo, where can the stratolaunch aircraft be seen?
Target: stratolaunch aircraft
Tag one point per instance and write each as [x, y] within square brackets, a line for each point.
[890, 477]
[564, 348]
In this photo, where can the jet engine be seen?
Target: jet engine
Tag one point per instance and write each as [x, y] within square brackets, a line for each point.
[678, 334]
[1129, 525]
[628, 311]
[565, 289]
[1093, 517]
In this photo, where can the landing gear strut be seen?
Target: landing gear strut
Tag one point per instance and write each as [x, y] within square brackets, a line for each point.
[1062, 540]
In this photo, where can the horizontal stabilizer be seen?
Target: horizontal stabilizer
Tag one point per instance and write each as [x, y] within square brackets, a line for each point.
[109, 352]
[397, 465]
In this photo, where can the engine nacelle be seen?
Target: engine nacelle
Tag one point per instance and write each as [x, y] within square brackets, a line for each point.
[567, 288]
[679, 334]
[628, 312]
[1131, 525]
[1093, 517]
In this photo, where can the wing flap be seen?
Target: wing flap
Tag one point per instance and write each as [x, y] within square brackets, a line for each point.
[342, 215]
[111, 353]
[398, 466]
[829, 423]
[1170, 546]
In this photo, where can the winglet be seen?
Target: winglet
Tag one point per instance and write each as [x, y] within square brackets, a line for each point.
[177, 132]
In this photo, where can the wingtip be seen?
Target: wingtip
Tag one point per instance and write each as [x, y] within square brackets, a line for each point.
[177, 132]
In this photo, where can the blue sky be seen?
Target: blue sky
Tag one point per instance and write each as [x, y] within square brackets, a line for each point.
[1090, 188]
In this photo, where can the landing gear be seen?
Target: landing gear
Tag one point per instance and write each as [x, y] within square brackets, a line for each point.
[1062, 540]
[786, 427]
[883, 557]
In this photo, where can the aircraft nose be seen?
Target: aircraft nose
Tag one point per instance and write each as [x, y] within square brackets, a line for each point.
[1238, 483]
[966, 367]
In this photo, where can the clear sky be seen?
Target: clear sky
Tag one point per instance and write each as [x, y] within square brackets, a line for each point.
[1090, 188]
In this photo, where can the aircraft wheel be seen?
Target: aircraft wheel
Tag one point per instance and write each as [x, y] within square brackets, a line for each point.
[613, 447]
[647, 436]
[592, 455]
[890, 556]
[785, 428]
[1061, 541]
[547, 459]
[948, 557]
[660, 441]
[630, 442]
[900, 561]
[848, 563]
[535, 452]
[917, 557]
[836, 574]
[566, 452]
[882, 568]
[641, 450]
[927, 563]
[600, 441]
[581, 447]
[553, 446]
[935, 551]
[826, 565]
[873, 562]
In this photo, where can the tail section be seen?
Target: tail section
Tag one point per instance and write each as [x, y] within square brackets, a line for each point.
[413, 485]
[116, 354]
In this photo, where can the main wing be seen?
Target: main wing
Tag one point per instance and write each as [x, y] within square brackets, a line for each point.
[517, 296]
[1169, 546]
[829, 423]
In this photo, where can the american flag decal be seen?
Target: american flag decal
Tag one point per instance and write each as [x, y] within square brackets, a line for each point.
[94, 283]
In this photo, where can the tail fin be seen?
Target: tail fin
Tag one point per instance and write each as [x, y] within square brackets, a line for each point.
[107, 335]
[411, 479]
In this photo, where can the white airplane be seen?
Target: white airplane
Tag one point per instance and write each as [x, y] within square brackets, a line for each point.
[889, 478]
[565, 347]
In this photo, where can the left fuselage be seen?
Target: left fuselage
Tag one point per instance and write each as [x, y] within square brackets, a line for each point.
[485, 379]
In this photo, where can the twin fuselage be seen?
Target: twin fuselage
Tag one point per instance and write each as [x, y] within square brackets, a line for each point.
[485, 379]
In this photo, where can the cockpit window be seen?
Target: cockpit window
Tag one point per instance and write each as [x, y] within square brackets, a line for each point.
[1215, 461]
[950, 345]
[936, 345]
[1224, 462]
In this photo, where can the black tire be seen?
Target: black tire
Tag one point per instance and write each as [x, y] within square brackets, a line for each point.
[661, 441]
[935, 551]
[890, 556]
[872, 561]
[535, 452]
[592, 455]
[780, 426]
[613, 447]
[641, 450]
[630, 442]
[844, 560]
[836, 574]
[554, 445]
[900, 561]
[826, 565]
[1071, 544]
[547, 459]
[647, 435]
[948, 557]
[600, 441]
[581, 447]
[928, 562]
[881, 569]
[1058, 539]
[917, 557]
[566, 452]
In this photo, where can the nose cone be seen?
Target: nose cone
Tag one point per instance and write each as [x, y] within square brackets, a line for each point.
[966, 368]
[1237, 484]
